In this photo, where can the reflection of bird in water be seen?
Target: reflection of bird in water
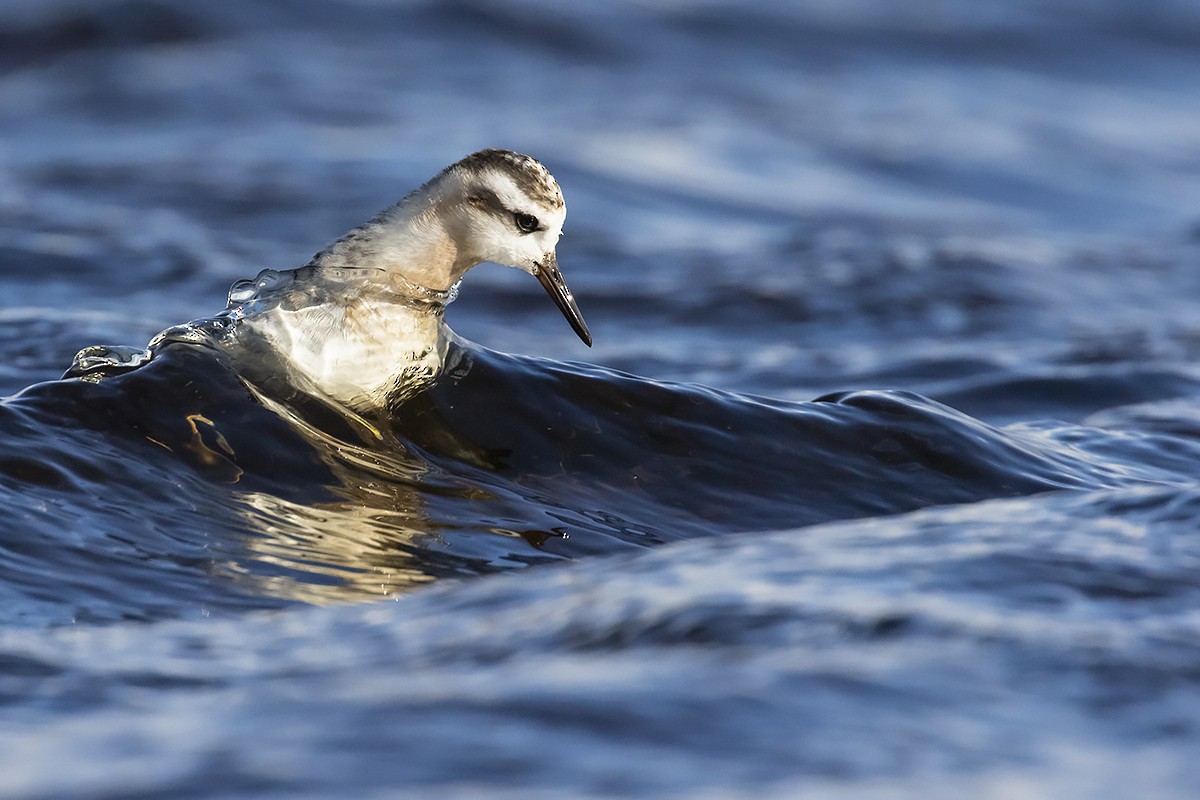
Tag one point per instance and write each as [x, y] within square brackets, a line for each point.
[362, 322]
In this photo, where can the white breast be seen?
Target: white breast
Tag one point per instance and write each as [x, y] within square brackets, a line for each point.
[357, 354]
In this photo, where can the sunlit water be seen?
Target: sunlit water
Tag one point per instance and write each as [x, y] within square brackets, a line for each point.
[881, 479]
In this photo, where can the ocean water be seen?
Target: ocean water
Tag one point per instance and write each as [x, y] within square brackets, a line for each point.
[881, 480]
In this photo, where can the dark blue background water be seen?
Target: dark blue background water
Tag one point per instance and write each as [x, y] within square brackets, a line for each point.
[968, 232]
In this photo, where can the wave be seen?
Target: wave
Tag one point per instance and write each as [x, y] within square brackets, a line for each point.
[253, 494]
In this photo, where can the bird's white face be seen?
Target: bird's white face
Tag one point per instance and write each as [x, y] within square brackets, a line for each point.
[512, 214]
[517, 226]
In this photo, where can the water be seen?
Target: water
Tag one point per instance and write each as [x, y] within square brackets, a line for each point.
[881, 479]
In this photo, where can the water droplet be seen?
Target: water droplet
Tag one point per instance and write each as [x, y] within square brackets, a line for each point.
[242, 291]
[100, 361]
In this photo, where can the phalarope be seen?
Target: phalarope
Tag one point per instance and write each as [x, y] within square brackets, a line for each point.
[362, 321]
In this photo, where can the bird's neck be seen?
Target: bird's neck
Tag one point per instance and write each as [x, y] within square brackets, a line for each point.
[410, 244]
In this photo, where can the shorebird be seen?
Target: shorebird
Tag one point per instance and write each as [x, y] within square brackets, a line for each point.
[362, 322]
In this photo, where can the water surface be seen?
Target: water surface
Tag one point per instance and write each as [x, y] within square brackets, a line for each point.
[880, 480]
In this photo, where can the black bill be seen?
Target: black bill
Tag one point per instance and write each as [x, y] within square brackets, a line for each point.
[552, 280]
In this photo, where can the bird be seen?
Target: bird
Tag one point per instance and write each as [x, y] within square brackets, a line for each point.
[362, 322]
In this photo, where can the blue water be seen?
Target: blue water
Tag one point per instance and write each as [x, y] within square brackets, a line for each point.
[881, 480]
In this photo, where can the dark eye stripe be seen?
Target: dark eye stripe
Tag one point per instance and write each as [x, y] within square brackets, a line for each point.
[487, 200]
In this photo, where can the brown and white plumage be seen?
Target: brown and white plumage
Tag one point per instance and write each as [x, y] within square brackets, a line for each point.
[362, 320]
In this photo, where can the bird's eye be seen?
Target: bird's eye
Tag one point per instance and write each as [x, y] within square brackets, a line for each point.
[526, 223]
